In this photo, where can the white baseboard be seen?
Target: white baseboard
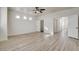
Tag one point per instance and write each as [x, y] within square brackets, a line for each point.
[20, 33]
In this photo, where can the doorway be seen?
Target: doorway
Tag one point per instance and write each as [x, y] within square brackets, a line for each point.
[64, 23]
[41, 25]
[60, 24]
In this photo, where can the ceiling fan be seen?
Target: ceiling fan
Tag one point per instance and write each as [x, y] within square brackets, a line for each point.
[38, 10]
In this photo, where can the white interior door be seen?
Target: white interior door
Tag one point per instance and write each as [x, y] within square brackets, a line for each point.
[73, 26]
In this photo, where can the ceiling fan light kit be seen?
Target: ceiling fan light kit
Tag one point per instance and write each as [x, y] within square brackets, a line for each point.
[38, 10]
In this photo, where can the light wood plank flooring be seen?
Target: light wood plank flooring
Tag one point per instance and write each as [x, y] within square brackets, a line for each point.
[40, 42]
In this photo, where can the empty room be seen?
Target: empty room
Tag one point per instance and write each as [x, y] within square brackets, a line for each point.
[39, 29]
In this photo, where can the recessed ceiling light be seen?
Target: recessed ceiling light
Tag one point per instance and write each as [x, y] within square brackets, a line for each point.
[18, 17]
[25, 17]
[30, 18]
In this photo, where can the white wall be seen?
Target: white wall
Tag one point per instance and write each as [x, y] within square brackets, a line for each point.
[20, 26]
[48, 23]
[38, 25]
[3, 23]
[50, 16]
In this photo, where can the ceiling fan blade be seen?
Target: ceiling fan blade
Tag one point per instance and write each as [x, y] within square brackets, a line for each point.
[42, 9]
[37, 8]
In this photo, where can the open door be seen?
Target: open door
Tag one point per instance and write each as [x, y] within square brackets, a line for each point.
[73, 26]
[41, 25]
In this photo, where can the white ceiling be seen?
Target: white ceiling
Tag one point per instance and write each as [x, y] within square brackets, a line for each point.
[29, 10]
